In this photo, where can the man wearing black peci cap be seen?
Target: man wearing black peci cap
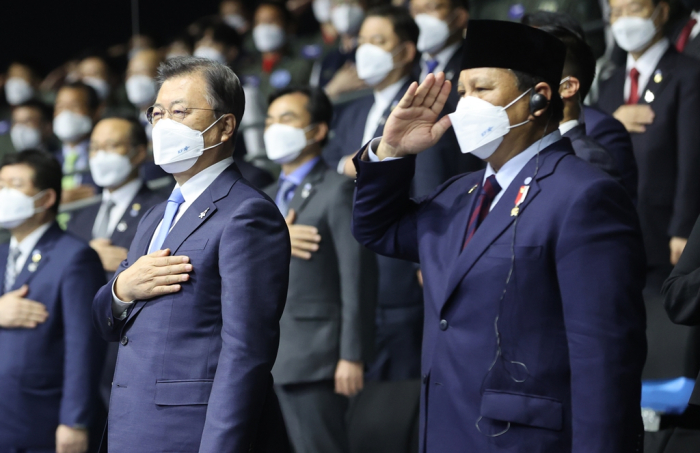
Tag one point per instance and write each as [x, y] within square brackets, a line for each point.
[533, 342]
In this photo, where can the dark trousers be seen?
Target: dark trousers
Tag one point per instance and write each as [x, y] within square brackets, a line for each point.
[679, 434]
[315, 417]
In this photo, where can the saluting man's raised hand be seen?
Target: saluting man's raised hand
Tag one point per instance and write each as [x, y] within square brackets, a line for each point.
[413, 125]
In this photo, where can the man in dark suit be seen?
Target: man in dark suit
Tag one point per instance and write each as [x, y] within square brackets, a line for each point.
[118, 147]
[196, 304]
[656, 97]
[521, 352]
[327, 328]
[50, 354]
[685, 35]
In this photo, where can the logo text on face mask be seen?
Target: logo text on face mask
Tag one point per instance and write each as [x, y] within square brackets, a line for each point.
[180, 151]
[487, 131]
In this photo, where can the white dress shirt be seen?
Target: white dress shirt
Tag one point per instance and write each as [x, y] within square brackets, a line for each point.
[26, 247]
[696, 29]
[191, 190]
[122, 198]
[646, 64]
[566, 127]
[508, 171]
[443, 57]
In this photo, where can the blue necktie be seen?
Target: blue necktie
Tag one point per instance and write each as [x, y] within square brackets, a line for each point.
[174, 203]
[431, 65]
[285, 195]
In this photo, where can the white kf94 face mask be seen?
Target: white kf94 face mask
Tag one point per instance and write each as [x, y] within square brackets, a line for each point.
[434, 33]
[480, 126]
[374, 63]
[284, 143]
[109, 169]
[634, 33]
[16, 207]
[177, 147]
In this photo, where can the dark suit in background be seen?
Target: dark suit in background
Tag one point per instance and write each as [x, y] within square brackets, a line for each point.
[50, 374]
[667, 154]
[612, 135]
[588, 149]
[329, 314]
[82, 222]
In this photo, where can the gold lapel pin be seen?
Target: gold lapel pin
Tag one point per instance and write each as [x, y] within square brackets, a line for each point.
[135, 208]
[36, 256]
[201, 216]
[473, 188]
[658, 77]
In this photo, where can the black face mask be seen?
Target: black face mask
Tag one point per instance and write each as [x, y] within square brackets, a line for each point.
[693, 5]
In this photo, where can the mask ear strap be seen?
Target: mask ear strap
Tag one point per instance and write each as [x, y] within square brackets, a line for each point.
[517, 99]
[212, 124]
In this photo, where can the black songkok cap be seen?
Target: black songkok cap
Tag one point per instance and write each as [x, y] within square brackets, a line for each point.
[510, 45]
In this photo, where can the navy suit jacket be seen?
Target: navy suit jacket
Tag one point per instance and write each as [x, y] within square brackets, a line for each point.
[49, 374]
[571, 323]
[612, 135]
[193, 369]
[82, 221]
[668, 153]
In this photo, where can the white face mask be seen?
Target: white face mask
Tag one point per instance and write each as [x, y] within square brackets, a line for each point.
[480, 126]
[177, 147]
[236, 21]
[16, 207]
[347, 19]
[434, 33]
[268, 37]
[100, 85]
[70, 126]
[373, 63]
[18, 90]
[634, 33]
[210, 54]
[25, 137]
[322, 10]
[283, 143]
[141, 90]
[109, 169]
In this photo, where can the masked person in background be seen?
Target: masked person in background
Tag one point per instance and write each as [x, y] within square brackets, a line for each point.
[221, 251]
[220, 43]
[527, 343]
[141, 83]
[51, 355]
[442, 24]
[31, 127]
[77, 107]
[657, 97]
[22, 83]
[333, 279]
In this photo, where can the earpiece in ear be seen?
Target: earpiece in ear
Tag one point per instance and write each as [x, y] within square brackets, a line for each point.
[537, 102]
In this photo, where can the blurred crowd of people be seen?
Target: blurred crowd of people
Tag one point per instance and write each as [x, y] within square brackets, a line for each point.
[320, 79]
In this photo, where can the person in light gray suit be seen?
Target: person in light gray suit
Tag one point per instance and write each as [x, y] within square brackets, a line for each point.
[327, 328]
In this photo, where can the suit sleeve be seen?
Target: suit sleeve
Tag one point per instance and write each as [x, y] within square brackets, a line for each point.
[384, 216]
[686, 204]
[84, 351]
[600, 265]
[358, 280]
[254, 256]
[682, 288]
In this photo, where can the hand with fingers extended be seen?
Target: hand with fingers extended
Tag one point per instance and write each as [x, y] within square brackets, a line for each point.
[153, 275]
[413, 125]
[304, 238]
[16, 311]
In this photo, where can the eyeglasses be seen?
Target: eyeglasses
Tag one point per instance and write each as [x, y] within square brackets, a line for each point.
[154, 114]
[110, 147]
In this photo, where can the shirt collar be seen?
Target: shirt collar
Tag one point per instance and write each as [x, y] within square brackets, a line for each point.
[123, 195]
[695, 15]
[566, 127]
[29, 242]
[510, 169]
[385, 96]
[196, 185]
[444, 55]
[297, 176]
[649, 59]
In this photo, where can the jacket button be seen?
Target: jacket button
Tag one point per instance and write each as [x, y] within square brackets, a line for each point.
[109, 322]
[443, 324]
[124, 341]
[425, 379]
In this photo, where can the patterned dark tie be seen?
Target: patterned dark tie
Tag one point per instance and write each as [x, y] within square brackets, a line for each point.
[488, 192]
[11, 270]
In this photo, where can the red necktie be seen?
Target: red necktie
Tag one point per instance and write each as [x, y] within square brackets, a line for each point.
[634, 87]
[487, 194]
[684, 37]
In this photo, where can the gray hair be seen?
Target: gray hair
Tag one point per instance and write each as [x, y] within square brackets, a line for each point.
[224, 91]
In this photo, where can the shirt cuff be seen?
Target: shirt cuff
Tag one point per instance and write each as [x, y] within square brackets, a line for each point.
[119, 307]
[371, 151]
[341, 165]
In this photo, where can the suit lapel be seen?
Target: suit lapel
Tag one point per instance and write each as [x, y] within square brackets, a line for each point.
[659, 78]
[500, 219]
[614, 95]
[38, 257]
[307, 188]
[132, 215]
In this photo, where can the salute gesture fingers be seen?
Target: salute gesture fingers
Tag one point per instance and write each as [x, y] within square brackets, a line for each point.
[413, 125]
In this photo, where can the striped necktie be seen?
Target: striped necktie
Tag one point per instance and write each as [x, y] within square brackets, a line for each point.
[102, 229]
[487, 194]
[11, 270]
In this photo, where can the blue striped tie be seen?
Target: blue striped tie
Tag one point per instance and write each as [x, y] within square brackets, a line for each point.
[174, 203]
